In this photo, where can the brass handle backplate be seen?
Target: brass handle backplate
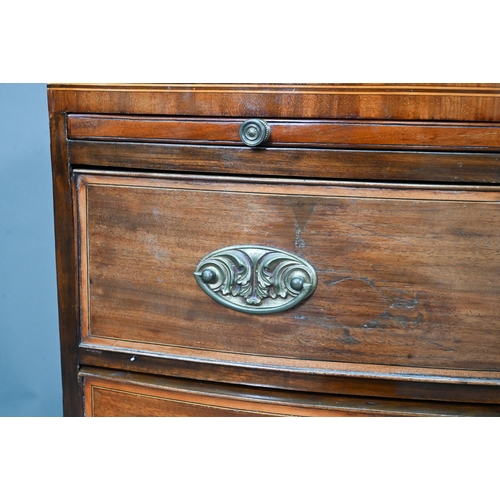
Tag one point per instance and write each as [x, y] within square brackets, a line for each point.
[255, 279]
[254, 132]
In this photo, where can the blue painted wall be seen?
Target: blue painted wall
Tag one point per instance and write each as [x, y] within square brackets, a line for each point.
[30, 371]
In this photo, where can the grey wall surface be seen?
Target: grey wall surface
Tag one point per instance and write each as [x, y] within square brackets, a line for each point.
[30, 371]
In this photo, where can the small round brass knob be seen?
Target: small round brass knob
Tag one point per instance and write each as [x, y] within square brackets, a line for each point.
[254, 132]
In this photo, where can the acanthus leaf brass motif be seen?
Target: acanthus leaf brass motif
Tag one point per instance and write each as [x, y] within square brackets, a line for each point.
[255, 279]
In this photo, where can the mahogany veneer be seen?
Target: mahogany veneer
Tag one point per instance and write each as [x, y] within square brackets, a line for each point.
[390, 192]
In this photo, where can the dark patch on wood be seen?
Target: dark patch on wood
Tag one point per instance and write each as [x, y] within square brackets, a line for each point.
[348, 338]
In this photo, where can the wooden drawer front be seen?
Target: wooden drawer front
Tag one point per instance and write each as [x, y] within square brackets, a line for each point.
[400, 166]
[317, 133]
[104, 398]
[406, 277]
[113, 394]
[464, 102]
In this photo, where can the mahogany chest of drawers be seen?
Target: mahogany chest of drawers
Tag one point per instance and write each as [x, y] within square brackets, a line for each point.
[246, 250]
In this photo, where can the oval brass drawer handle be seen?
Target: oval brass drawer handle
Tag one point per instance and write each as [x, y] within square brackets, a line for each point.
[254, 132]
[255, 279]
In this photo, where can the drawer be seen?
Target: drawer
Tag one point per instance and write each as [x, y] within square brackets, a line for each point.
[342, 258]
[341, 149]
[364, 134]
[406, 277]
[113, 393]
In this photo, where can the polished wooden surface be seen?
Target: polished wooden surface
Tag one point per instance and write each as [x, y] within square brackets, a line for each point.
[67, 265]
[406, 166]
[112, 394]
[390, 191]
[454, 102]
[316, 377]
[399, 280]
[332, 133]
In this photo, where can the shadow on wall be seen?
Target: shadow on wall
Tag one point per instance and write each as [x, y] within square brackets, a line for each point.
[30, 372]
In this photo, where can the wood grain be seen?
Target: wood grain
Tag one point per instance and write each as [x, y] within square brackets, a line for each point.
[477, 168]
[457, 102]
[404, 278]
[389, 190]
[330, 134]
[67, 267]
[365, 380]
[121, 394]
